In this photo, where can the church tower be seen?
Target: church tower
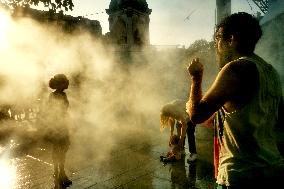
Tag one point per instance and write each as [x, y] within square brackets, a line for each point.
[129, 22]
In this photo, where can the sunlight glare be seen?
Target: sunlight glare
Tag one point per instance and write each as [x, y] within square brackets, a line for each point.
[7, 174]
[4, 26]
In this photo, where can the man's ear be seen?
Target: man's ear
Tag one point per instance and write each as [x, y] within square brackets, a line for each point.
[232, 41]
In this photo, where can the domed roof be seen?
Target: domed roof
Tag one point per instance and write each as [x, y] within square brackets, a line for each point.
[140, 5]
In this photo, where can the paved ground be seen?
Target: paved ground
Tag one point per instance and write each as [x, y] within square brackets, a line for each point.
[129, 161]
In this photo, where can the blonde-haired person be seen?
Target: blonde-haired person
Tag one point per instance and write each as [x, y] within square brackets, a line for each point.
[175, 112]
[57, 115]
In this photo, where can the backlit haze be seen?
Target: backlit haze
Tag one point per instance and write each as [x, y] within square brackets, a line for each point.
[168, 25]
[113, 105]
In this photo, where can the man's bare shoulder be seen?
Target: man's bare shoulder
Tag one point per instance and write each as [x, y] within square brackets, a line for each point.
[243, 78]
[240, 76]
[240, 73]
[241, 68]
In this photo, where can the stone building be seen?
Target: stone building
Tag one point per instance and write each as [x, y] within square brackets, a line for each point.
[129, 22]
[63, 22]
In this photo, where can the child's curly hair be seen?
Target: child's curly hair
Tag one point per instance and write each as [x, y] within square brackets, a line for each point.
[174, 140]
[59, 82]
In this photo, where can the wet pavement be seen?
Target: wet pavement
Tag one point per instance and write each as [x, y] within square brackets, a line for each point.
[131, 161]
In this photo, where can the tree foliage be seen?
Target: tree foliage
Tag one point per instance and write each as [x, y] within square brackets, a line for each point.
[205, 51]
[51, 4]
[200, 47]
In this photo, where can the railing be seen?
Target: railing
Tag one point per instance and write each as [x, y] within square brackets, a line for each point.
[136, 48]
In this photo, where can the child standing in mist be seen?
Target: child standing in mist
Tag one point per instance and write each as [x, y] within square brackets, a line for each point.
[57, 111]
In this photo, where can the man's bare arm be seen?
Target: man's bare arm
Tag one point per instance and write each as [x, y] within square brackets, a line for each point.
[195, 70]
[230, 88]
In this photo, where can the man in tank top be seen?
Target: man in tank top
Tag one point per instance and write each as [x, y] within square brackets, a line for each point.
[246, 98]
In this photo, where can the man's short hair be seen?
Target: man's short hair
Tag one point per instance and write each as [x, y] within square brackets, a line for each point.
[244, 27]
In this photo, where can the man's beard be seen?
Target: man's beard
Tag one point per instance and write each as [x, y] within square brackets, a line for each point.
[224, 58]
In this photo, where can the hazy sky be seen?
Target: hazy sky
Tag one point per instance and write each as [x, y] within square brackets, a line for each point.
[167, 25]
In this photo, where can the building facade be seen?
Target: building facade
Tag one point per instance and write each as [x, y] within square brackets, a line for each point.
[129, 22]
[65, 23]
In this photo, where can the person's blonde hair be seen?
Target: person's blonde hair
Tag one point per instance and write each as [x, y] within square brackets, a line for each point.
[171, 111]
[164, 121]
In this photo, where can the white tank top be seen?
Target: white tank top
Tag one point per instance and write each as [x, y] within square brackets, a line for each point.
[248, 142]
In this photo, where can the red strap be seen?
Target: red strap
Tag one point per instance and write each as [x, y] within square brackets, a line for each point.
[216, 155]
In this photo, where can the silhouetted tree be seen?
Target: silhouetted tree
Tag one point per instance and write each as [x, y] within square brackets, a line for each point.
[51, 4]
[205, 51]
